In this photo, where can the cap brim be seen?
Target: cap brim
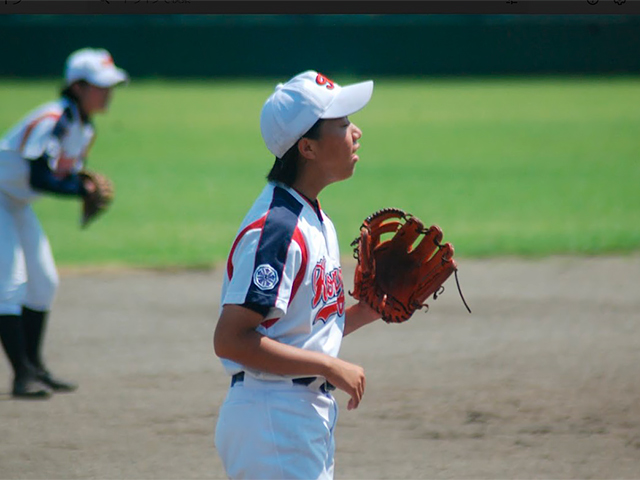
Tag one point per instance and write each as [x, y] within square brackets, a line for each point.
[110, 78]
[349, 100]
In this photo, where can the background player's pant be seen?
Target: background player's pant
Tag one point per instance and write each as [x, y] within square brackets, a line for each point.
[276, 430]
[28, 274]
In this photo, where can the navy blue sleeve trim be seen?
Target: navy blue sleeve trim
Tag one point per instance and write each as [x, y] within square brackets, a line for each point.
[261, 309]
[43, 179]
[271, 254]
[61, 125]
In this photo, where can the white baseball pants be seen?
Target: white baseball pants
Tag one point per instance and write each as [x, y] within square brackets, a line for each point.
[28, 274]
[276, 430]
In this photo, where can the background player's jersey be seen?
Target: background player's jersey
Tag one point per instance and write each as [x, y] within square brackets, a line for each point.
[286, 259]
[55, 130]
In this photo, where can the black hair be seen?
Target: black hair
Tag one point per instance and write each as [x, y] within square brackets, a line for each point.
[285, 169]
[67, 91]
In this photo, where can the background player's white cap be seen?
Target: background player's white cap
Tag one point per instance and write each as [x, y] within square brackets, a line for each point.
[297, 105]
[95, 66]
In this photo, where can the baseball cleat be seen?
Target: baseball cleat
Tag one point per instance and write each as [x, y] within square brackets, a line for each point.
[56, 384]
[30, 389]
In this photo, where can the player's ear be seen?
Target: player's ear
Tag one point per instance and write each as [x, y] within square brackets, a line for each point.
[307, 148]
[79, 90]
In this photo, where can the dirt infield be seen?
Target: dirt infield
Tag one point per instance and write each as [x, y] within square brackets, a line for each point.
[540, 382]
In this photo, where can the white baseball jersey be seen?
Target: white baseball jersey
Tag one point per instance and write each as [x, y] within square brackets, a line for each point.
[286, 258]
[56, 129]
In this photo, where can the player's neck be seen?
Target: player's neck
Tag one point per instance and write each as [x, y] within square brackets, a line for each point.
[311, 181]
[308, 189]
[83, 115]
[313, 203]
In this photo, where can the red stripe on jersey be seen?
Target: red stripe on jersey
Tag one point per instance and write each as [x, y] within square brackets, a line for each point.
[257, 224]
[33, 124]
[299, 239]
[268, 323]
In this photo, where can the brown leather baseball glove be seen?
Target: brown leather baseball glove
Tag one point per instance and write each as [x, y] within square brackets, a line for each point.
[99, 199]
[393, 276]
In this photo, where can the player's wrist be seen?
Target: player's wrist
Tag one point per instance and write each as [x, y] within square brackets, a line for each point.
[359, 315]
[367, 313]
[328, 367]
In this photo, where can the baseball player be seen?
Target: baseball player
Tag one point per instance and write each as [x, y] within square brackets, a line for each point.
[43, 154]
[283, 311]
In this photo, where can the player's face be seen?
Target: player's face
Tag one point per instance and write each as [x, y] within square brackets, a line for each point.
[95, 99]
[337, 146]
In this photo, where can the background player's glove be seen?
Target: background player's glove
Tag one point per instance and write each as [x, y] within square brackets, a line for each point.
[393, 277]
[98, 200]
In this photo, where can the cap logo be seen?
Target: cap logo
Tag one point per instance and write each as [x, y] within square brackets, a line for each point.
[265, 277]
[322, 80]
[108, 61]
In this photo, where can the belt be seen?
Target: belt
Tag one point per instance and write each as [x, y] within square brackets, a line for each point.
[324, 388]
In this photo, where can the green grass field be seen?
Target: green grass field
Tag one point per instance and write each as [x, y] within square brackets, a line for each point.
[505, 166]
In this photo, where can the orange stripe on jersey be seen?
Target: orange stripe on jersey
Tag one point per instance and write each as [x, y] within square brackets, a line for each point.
[33, 124]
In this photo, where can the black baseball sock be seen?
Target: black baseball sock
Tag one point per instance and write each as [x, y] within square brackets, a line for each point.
[25, 383]
[34, 323]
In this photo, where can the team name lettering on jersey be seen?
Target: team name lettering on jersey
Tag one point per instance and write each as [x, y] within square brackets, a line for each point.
[328, 291]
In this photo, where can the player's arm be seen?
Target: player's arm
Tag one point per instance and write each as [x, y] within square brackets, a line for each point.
[236, 339]
[357, 316]
[42, 148]
[42, 178]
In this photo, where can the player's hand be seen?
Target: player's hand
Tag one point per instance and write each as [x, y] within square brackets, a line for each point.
[349, 378]
[88, 185]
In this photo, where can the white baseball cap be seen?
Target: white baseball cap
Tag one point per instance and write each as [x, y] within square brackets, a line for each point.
[94, 65]
[297, 105]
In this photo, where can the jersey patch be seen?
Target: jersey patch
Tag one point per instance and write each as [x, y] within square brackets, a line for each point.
[265, 277]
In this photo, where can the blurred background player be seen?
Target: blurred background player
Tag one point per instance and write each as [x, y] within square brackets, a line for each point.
[43, 154]
[283, 299]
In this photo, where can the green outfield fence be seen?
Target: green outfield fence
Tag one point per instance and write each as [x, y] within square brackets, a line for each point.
[204, 46]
